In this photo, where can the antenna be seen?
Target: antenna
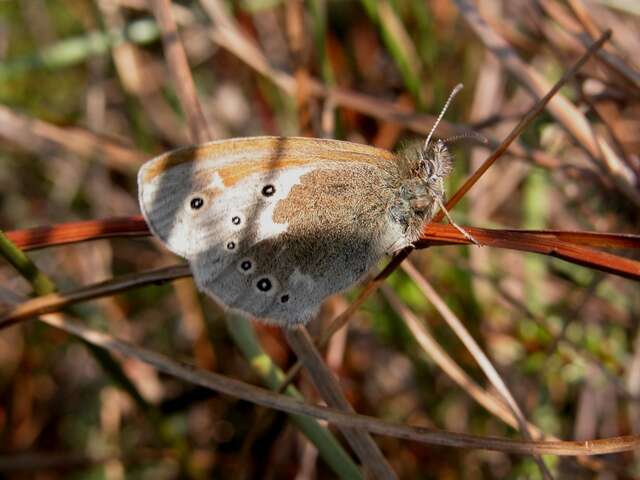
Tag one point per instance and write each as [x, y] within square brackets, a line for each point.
[453, 93]
[466, 136]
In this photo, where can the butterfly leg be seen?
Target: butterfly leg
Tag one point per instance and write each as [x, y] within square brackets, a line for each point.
[466, 234]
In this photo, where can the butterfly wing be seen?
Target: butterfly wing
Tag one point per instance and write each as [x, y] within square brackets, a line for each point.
[276, 230]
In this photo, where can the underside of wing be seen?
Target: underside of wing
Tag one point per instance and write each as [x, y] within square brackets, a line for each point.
[272, 226]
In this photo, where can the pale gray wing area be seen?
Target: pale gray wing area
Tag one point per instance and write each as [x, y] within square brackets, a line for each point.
[176, 202]
[281, 241]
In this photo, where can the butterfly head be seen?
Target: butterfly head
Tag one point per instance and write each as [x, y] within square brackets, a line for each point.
[433, 166]
[423, 172]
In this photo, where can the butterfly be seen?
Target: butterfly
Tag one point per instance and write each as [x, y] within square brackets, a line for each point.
[271, 226]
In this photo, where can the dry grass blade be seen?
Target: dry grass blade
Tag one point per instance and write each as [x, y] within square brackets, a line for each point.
[238, 389]
[179, 68]
[370, 455]
[476, 352]
[465, 337]
[439, 234]
[492, 403]
[74, 232]
[590, 239]
[545, 244]
[44, 138]
[57, 301]
[489, 401]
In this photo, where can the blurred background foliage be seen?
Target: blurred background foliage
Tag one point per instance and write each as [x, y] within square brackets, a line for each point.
[564, 338]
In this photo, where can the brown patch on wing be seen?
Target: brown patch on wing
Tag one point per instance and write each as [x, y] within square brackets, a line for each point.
[334, 218]
[260, 154]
